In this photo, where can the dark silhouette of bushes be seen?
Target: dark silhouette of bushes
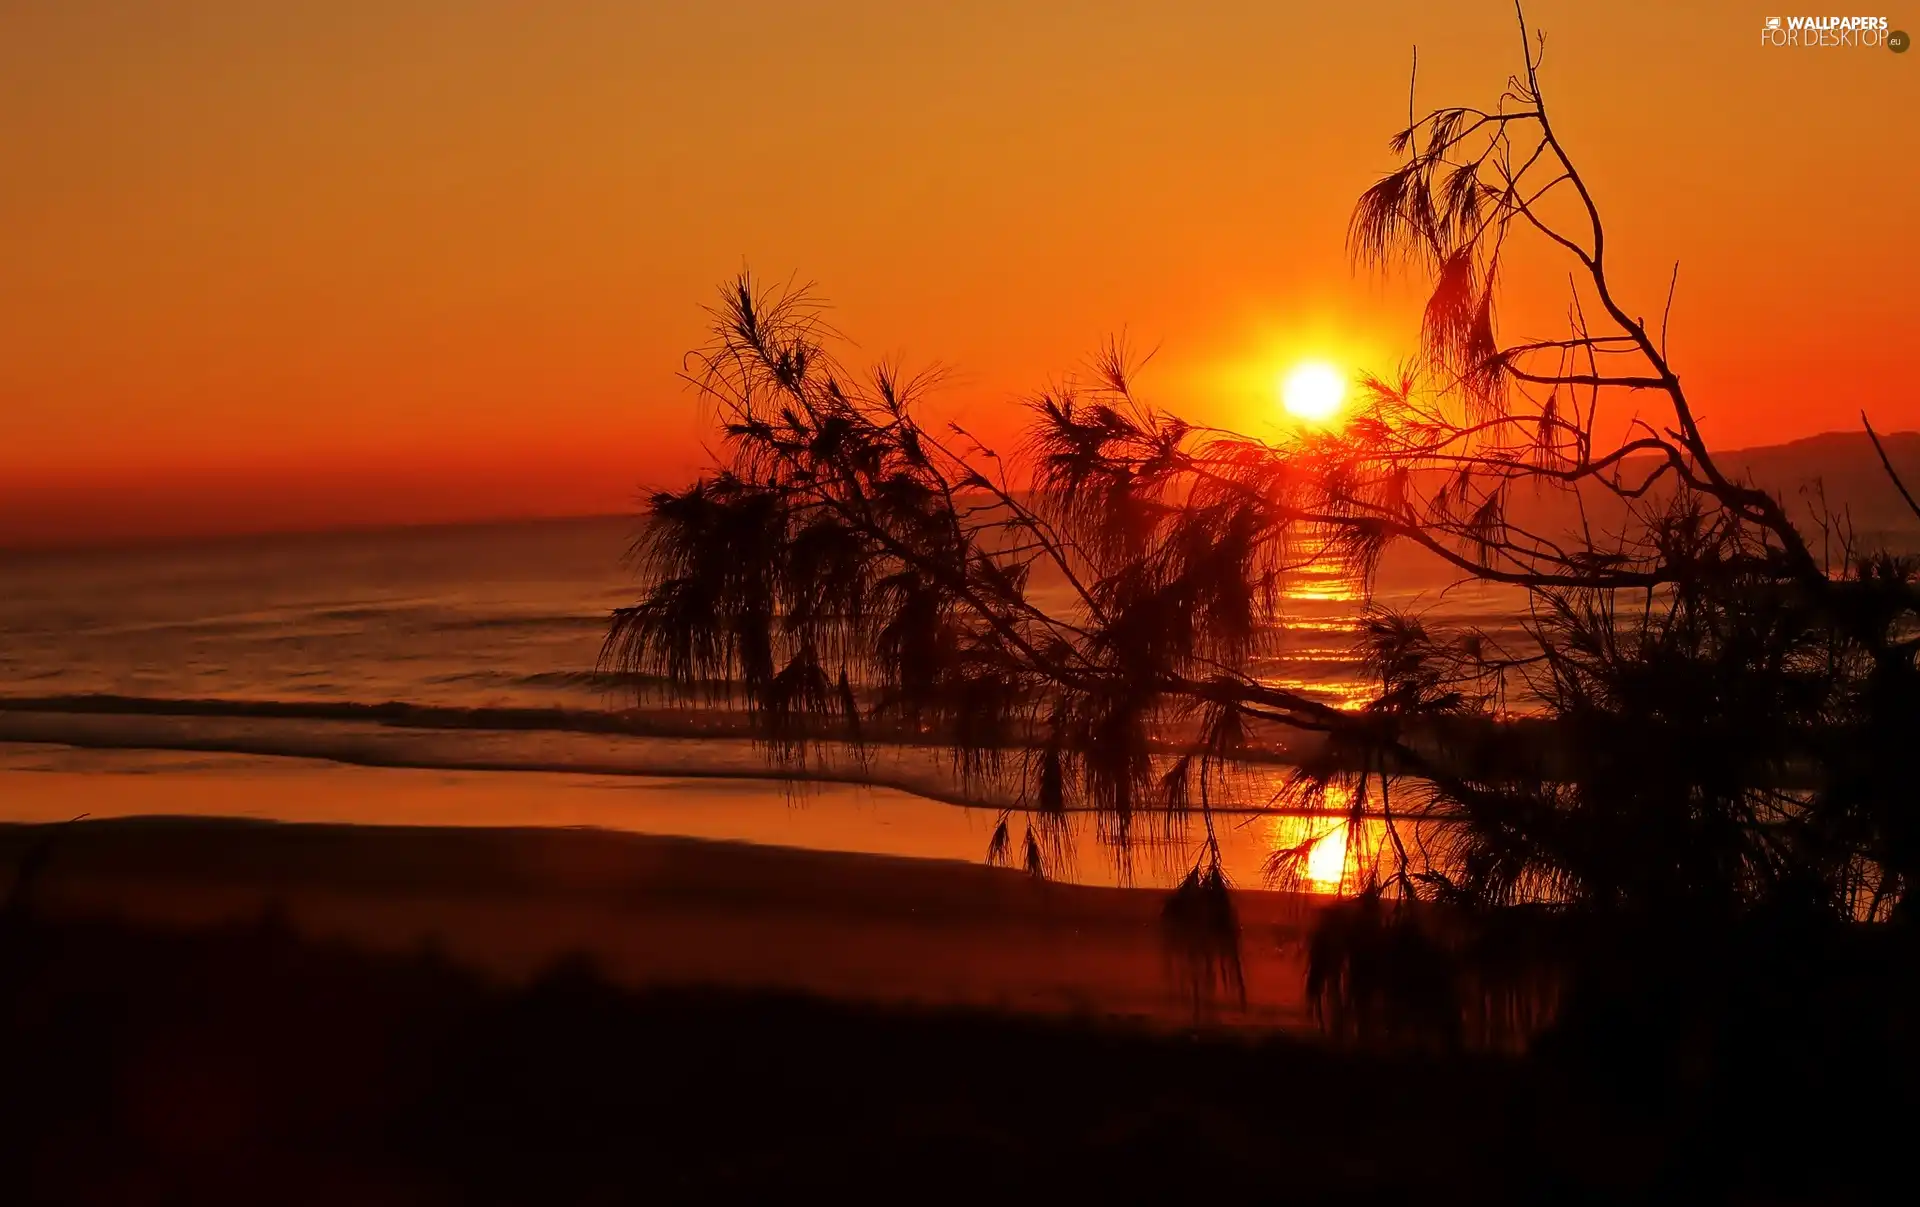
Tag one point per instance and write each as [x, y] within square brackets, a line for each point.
[247, 1064]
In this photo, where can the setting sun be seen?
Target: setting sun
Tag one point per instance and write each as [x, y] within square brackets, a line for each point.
[1313, 391]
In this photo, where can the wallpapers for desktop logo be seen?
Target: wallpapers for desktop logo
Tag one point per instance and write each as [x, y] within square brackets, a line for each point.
[1832, 32]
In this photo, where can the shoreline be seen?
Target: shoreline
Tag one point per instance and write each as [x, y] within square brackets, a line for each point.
[803, 779]
[1523, 746]
[681, 741]
[920, 770]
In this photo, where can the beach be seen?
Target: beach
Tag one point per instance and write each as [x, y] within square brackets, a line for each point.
[246, 1063]
[654, 911]
[218, 1010]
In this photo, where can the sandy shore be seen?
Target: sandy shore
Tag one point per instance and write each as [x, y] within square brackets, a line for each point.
[653, 911]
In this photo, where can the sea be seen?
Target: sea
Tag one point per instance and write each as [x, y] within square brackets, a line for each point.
[447, 676]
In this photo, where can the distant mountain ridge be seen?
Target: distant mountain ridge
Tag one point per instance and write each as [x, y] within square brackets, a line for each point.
[1833, 474]
[1845, 468]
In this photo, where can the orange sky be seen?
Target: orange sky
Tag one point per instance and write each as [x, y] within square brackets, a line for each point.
[323, 261]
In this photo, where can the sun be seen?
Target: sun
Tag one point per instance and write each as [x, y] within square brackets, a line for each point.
[1313, 391]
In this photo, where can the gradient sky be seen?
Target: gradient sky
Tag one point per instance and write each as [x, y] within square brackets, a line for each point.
[330, 261]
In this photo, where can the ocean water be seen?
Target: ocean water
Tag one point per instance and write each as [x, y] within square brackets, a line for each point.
[471, 617]
[467, 616]
[467, 649]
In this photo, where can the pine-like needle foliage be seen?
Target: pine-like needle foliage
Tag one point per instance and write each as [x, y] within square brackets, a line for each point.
[849, 570]
[1721, 718]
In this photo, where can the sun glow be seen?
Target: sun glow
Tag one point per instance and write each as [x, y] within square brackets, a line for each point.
[1313, 391]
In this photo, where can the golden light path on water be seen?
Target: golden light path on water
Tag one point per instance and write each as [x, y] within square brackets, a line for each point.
[1329, 852]
[1327, 599]
[1327, 859]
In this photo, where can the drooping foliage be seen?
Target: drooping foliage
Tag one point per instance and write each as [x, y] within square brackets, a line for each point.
[1707, 720]
[848, 569]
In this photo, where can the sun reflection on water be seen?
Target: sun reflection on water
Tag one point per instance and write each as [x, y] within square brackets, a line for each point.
[1327, 858]
[1330, 589]
[1323, 852]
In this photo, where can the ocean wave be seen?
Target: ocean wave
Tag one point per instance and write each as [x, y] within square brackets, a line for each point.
[596, 621]
[442, 616]
[389, 712]
[690, 743]
[608, 681]
[665, 742]
[363, 735]
[373, 611]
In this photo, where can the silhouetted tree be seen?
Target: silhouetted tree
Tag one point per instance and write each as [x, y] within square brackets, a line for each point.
[1721, 714]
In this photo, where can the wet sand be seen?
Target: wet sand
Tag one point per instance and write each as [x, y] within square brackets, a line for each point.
[658, 911]
[54, 783]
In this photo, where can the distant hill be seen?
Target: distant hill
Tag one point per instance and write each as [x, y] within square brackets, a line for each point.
[1841, 466]
[1844, 465]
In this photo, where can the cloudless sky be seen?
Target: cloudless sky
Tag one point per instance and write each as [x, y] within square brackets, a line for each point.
[318, 261]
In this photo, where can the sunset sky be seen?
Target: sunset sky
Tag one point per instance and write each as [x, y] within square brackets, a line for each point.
[349, 261]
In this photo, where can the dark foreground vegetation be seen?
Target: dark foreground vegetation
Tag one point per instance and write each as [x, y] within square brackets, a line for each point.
[246, 1064]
